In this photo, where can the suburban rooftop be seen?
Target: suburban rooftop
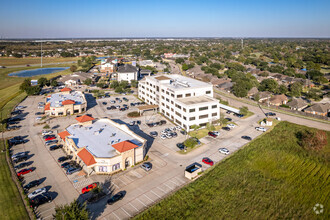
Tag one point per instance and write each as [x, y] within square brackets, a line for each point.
[56, 99]
[99, 137]
[197, 100]
[177, 82]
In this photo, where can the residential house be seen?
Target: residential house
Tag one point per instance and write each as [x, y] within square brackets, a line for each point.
[252, 92]
[297, 104]
[127, 72]
[263, 96]
[319, 109]
[278, 100]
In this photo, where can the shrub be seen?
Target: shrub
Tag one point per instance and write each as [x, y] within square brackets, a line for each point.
[313, 140]
[133, 114]
[190, 143]
[46, 127]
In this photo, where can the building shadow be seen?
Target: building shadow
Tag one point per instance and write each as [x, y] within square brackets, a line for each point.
[91, 101]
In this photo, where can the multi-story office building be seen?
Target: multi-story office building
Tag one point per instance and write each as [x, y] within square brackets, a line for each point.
[184, 100]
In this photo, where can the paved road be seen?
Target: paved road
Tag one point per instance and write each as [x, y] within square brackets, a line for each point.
[44, 64]
[290, 118]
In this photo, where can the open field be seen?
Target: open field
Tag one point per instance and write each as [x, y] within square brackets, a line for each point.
[12, 61]
[11, 205]
[272, 177]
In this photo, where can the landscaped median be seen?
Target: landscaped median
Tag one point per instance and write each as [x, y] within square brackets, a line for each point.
[282, 174]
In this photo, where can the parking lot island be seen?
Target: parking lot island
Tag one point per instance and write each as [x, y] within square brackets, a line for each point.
[66, 102]
[102, 146]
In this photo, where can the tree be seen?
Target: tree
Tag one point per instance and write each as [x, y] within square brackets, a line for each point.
[296, 89]
[101, 85]
[179, 60]
[185, 67]
[268, 85]
[210, 127]
[114, 84]
[240, 89]
[74, 210]
[87, 81]
[53, 83]
[123, 84]
[256, 97]
[244, 110]
[42, 81]
[134, 83]
[25, 84]
[73, 68]
[282, 89]
[190, 142]
[222, 120]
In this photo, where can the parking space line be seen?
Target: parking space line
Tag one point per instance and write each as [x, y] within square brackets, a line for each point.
[141, 202]
[133, 206]
[161, 190]
[148, 198]
[168, 186]
[155, 194]
[121, 181]
[115, 215]
[48, 216]
[125, 211]
[128, 178]
[174, 183]
[136, 174]
[115, 184]
[47, 210]
[180, 180]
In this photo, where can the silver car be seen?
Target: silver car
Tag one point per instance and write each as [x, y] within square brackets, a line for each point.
[37, 192]
[224, 151]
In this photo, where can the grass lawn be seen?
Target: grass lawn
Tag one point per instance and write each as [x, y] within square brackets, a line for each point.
[202, 132]
[248, 114]
[13, 61]
[11, 205]
[272, 177]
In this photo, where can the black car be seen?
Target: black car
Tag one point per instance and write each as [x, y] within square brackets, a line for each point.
[104, 103]
[162, 122]
[117, 197]
[38, 113]
[15, 142]
[22, 165]
[31, 184]
[153, 134]
[108, 108]
[174, 134]
[183, 132]
[226, 128]
[229, 119]
[54, 147]
[40, 199]
[247, 138]
[150, 124]
[21, 158]
[66, 164]
[138, 122]
[62, 159]
[239, 115]
[180, 146]
[270, 114]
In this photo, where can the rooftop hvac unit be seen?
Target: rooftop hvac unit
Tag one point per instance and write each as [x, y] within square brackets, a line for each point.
[183, 83]
[113, 134]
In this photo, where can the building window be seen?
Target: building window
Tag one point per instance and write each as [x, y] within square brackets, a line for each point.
[203, 116]
[103, 169]
[172, 94]
[167, 93]
[163, 90]
[214, 106]
[192, 110]
[116, 166]
[167, 100]
[192, 118]
[178, 106]
[168, 107]
[163, 104]
[184, 118]
[184, 109]
[177, 121]
[203, 108]
[172, 109]
[178, 114]
[188, 94]
[179, 96]
[163, 97]
[172, 102]
[208, 92]
[214, 114]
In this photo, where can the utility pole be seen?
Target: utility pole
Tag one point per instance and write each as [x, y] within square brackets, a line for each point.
[242, 43]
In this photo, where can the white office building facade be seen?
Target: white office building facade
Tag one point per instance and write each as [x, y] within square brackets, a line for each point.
[183, 100]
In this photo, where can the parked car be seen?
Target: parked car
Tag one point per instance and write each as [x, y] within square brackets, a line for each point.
[229, 119]
[50, 138]
[163, 136]
[25, 171]
[40, 199]
[55, 147]
[270, 114]
[37, 192]
[31, 184]
[162, 122]
[146, 166]
[104, 103]
[261, 129]
[212, 134]
[88, 188]
[138, 122]
[153, 134]
[22, 165]
[239, 115]
[72, 170]
[226, 128]
[117, 197]
[65, 164]
[21, 158]
[247, 138]
[231, 126]
[51, 142]
[19, 154]
[224, 150]
[208, 161]
[46, 133]
[62, 159]
[278, 118]
[131, 123]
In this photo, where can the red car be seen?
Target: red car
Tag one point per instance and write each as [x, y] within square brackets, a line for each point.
[88, 188]
[212, 134]
[25, 171]
[208, 161]
[50, 138]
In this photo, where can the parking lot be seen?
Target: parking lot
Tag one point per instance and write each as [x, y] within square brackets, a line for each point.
[143, 187]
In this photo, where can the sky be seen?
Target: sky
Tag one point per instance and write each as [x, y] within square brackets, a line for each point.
[158, 18]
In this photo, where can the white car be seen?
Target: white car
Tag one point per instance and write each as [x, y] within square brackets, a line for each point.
[278, 118]
[37, 192]
[178, 127]
[38, 118]
[231, 126]
[112, 101]
[261, 129]
[40, 106]
[224, 151]
[41, 103]
[46, 133]
[216, 133]
[163, 136]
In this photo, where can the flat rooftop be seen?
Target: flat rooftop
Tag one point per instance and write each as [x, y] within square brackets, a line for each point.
[177, 82]
[99, 137]
[196, 100]
[56, 99]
